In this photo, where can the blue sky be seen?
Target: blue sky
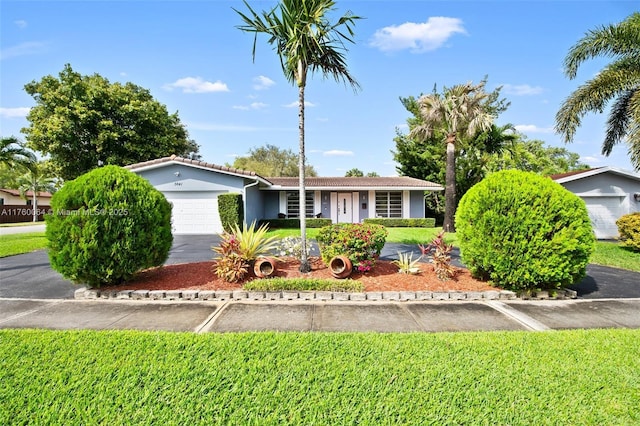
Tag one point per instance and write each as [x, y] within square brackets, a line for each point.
[194, 60]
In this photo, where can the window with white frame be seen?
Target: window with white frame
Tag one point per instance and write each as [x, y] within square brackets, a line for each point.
[293, 204]
[389, 204]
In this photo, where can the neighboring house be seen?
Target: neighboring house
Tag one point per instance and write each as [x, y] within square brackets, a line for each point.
[193, 187]
[609, 193]
[12, 197]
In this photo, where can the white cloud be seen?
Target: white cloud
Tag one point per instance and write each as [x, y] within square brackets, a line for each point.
[253, 105]
[532, 128]
[22, 49]
[418, 37]
[521, 89]
[20, 23]
[337, 153]
[591, 160]
[296, 103]
[19, 112]
[196, 85]
[262, 83]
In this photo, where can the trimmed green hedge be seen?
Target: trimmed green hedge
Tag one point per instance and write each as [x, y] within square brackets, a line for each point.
[523, 231]
[295, 223]
[231, 211]
[107, 225]
[427, 222]
[629, 229]
[304, 284]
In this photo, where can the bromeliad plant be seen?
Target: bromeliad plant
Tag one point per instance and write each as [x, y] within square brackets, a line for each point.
[440, 253]
[239, 248]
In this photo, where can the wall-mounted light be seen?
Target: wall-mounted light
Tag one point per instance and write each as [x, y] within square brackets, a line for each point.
[177, 174]
[636, 196]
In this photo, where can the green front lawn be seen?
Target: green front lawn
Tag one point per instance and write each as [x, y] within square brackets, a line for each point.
[586, 377]
[613, 254]
[21, 243]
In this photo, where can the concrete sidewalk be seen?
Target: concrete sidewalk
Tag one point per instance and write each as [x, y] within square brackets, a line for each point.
[244, 316]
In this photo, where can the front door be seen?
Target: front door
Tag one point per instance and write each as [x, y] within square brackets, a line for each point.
[345, 214]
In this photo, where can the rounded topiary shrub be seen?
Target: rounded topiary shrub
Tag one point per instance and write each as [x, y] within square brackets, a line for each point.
[522, 231]
[106, 225]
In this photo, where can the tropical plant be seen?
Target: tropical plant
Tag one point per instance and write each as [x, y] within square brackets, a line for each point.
[460, 111]
[406, 264]
[14, 154]
[440, 253]
[106, 225]
[524, 231]
[35, 181]
[239, 248]
[306, 41]
[618, 81]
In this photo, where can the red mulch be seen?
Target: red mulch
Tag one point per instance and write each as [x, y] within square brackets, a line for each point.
[383, 277]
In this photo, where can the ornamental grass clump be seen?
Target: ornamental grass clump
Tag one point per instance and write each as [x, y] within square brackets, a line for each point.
[522, 231]
[106, 225]
[361, 243]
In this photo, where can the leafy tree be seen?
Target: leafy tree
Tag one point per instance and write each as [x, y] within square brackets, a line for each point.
[83, 122]
[306, 41]
[460, 111]
[36, 181]
[534, 156]
[270, 160]
[372, 174]
[14, 154]
[354, 173]
[618, 81]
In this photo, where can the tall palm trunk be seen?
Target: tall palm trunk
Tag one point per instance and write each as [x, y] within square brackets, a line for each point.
[450, 186]
[304, 262]
[34, 205]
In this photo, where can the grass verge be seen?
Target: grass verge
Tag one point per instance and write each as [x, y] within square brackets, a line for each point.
[616, 255]
[587, 377]
[13, 244]
[304, 284]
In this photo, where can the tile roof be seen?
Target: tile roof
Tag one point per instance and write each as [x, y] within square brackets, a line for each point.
[16, 192]
[196, 163]
[573, 173]
[401, 182]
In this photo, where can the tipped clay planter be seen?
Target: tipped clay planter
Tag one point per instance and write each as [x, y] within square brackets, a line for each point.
[340, 267]
[264, 267]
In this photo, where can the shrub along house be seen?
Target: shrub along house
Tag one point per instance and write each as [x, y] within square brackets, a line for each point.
[609, 193]
[193, 186]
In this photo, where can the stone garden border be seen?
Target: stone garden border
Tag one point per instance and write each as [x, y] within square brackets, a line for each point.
[284, 295]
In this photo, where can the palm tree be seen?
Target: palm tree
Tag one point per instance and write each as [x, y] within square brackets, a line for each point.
[618, 81]
[305, 41]
[460, 111]
[36, 182]
[13, 154]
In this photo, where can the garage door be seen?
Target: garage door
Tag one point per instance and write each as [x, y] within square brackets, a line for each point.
[194, 212]
[603, 212]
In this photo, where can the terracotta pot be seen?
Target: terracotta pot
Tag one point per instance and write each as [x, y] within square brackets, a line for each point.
[340, 267]
[264, 267]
